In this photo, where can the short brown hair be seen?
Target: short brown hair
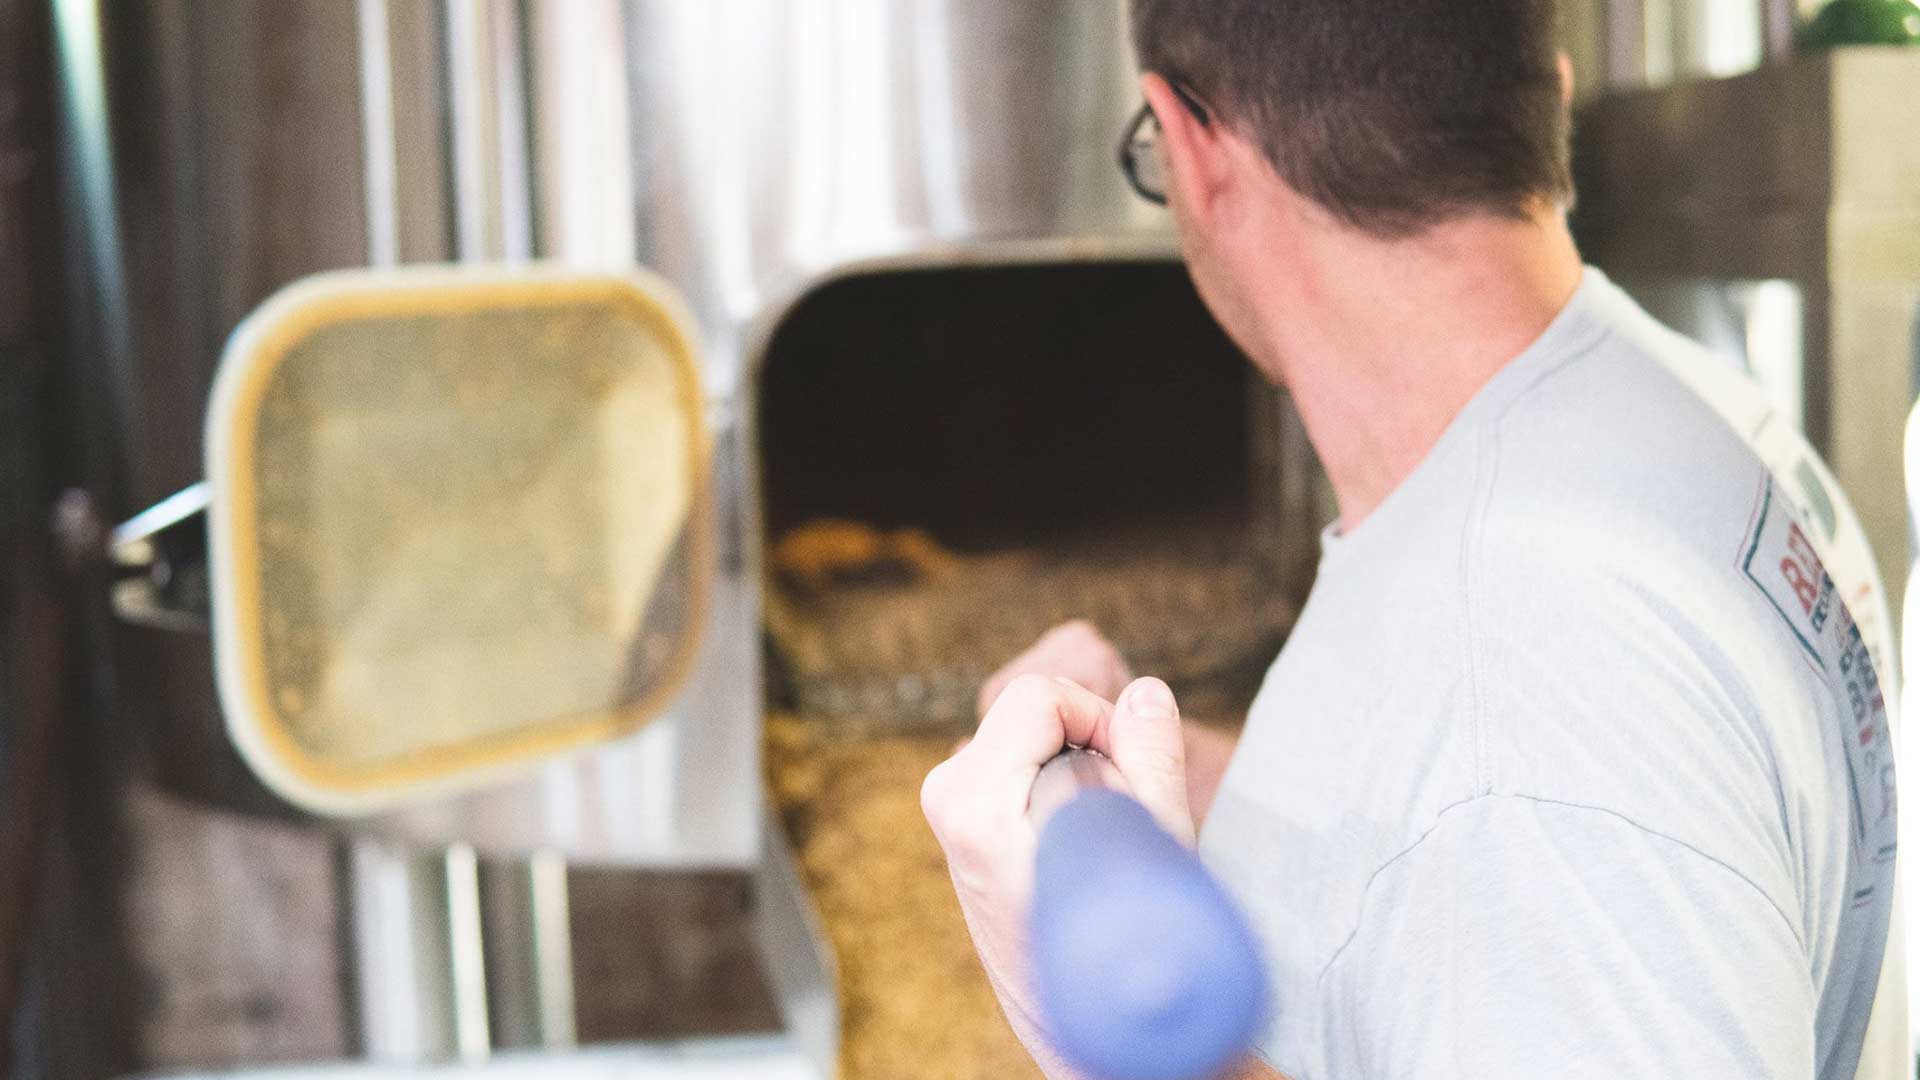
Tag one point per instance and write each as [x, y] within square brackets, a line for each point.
[1393, 114]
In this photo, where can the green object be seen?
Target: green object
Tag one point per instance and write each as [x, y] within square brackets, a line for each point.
[1863, 22]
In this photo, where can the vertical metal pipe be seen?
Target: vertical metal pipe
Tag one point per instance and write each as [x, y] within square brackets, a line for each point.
[473, 94]
[800, 967]
[377, 129]
[466, 954]
[399, 952]
[529, 952]
[529, 986]
[402, 988]
[1718, 38]
[583, 167]
[552, 948]
[419, 963]
[511, 137]
[1777, 21]
[420, 967]
[1625, 35]
[1660, 22]
[506, 916]
[90, 177]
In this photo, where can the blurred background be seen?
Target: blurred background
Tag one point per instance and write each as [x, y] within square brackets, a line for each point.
[892, 250]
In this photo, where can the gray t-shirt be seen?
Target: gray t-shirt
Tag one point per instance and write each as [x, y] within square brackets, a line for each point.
[1575, 764]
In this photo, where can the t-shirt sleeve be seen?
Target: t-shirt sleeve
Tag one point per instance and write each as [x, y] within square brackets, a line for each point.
[1522, 938]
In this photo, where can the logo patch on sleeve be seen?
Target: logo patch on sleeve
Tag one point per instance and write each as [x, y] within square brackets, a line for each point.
[1781, 563]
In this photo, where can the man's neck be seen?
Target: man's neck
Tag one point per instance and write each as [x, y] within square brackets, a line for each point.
[1382, 343]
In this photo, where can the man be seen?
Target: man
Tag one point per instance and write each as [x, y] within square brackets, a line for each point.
[1575, 765]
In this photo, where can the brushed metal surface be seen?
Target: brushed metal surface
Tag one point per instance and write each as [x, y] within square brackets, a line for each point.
[1652, 43]
[801, 968]
[747, 149]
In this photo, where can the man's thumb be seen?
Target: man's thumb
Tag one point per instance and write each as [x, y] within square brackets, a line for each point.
[1149, 751]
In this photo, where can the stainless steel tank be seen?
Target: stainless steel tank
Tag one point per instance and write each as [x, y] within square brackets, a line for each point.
[743, 149]
[749, 151]
[1630, 44]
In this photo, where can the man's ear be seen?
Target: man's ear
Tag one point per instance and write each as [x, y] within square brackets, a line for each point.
[1198, 169]
[1565, 64]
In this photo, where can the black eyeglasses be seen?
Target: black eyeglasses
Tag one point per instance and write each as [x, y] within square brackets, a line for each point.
[1140, 156]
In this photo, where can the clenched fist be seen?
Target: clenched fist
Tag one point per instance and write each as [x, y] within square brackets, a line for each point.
[1073, 650]
[977, 804]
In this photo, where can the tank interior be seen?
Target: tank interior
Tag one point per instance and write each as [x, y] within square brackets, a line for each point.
[953, 460]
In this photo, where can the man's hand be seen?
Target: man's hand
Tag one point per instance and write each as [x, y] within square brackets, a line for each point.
[1073, 650]
[976, 802]
[1078, 651]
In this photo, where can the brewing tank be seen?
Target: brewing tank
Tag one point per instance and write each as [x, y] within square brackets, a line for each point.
[754, 154]
[744, 149]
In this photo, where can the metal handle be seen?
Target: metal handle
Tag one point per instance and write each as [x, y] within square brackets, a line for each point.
[1072, 771]
[1144, 966]
[159, 561]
